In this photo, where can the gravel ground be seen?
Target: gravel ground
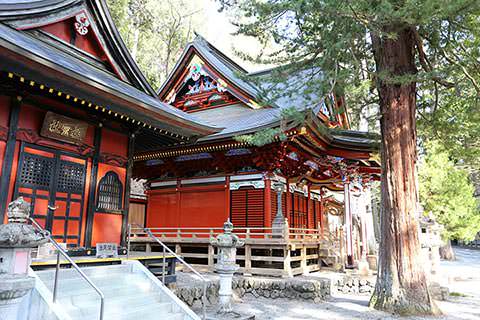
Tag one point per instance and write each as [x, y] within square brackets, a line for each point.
[461, 276]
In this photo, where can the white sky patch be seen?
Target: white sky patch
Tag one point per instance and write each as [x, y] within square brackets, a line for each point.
[218, 30]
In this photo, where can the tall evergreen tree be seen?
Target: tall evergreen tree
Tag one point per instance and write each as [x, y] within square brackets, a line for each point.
[392, 45]
[447, 193]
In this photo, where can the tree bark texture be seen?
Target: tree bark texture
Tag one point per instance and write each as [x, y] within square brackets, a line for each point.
[401, 286]
[446, 251]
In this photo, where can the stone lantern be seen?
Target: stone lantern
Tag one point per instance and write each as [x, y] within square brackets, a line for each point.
[227, 244]
[17, 238]
[279, 223]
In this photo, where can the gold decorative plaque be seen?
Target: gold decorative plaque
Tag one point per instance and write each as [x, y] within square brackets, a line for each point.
[63, 128]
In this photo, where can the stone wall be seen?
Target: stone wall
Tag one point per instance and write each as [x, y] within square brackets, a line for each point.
[311, 290]
[354, 285]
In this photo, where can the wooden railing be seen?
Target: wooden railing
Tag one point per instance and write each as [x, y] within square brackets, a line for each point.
[250, 233]
[297, 250]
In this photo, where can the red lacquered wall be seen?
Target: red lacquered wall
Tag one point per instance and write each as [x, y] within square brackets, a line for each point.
[106, 228]
[114, 143]
[195, 206]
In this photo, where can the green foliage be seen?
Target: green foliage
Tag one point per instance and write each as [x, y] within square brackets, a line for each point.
[291, 116]
[155, 32]
[446, 192]
[262, 137]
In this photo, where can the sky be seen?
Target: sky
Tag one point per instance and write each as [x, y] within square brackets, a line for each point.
[218, 30]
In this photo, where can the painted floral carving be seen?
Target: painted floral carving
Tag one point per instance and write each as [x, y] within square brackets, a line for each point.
[81, 24]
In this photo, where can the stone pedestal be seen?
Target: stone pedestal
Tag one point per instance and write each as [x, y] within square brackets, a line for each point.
[227, 244]
[12, 289]
[17, 239]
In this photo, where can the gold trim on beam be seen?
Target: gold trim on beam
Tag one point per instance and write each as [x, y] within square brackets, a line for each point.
[189, 150]
[201, 148]
[81, 101]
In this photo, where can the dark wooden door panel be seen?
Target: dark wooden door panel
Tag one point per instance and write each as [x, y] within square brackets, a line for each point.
[54, 182]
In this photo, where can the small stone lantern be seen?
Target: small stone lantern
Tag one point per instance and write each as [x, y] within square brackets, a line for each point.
[227, 244]
[279, 223]
[17, 238]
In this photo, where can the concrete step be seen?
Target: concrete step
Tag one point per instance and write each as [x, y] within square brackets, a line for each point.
[123, 298]
[68, 273]
[87, 296]
[115, 308]
[157, 311]
[130, 291]
[80, 283]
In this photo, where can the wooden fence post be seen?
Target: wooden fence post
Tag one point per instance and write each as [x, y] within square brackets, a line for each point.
[303, 262]
[248, 260]
[211, 257]
[287, 266]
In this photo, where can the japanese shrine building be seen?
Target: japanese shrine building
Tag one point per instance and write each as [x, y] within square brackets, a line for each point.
[74, 108]
[78, 120]
[220, 176]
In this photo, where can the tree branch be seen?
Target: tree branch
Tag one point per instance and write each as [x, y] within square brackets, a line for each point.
[464, 71]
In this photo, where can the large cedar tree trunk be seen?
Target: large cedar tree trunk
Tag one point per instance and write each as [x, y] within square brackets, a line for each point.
[401, 286]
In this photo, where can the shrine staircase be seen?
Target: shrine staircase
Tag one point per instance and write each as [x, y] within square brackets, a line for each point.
[130, 290]
[330, 253]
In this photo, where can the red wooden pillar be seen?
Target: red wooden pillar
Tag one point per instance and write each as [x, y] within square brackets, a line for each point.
[267, 207]
[289, 205]
[348, 223]
[310, 223]
[227, 197]
[320, 210]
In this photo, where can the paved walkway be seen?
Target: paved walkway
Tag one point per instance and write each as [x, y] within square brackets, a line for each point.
[461, 276]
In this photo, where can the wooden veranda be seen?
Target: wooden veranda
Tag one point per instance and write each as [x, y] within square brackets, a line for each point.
[268, 252]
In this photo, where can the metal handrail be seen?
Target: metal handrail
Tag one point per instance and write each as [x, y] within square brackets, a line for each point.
[165, 248]
[74, 265]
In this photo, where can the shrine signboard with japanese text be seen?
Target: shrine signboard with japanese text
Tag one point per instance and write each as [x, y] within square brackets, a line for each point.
[64, 129]
[107, 250]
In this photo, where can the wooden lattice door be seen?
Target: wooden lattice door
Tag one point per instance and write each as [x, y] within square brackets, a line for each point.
[54, 183]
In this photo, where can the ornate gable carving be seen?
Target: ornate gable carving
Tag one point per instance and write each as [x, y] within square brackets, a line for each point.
[79, 32]
[199, 89]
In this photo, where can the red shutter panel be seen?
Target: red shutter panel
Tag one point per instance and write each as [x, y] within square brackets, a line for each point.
[247, 207]
[255, 208]
[311, 213]
[238, 208]
[299, 214]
